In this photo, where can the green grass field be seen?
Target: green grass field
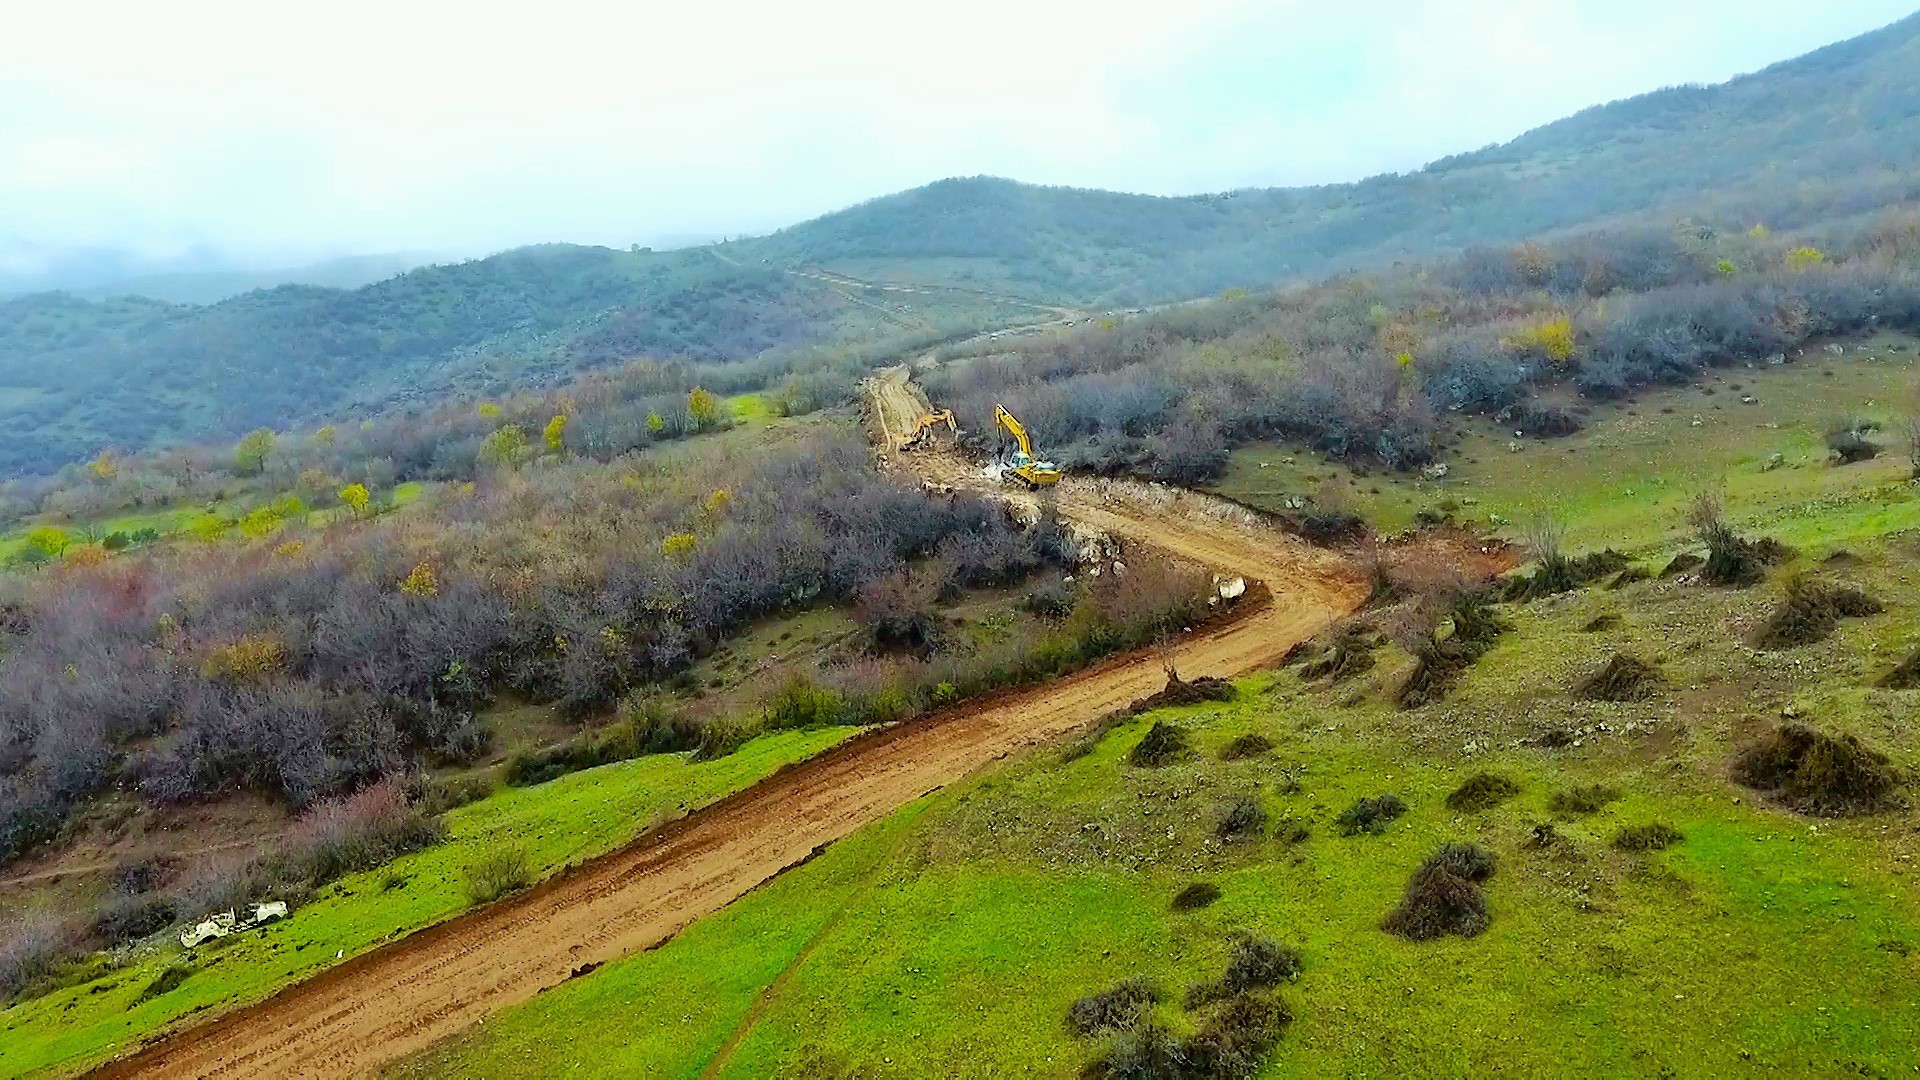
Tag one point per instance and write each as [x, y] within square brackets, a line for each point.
[951, 938]
[1627, 479]
[560, 822]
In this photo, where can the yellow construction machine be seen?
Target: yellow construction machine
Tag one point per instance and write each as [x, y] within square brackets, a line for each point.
[1021, 465]
[922, 430]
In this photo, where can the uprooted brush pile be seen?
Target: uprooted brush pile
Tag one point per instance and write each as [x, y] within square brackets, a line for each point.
[1348, 654]
[1180, 691]
[1444, 895]
[1482, 791]
[1240, 1020]
[1811, 610]
[1163, 744]
[1442, 660]
[1370, 817]
[1558, 574]
[1820, 774]
[1624, 678]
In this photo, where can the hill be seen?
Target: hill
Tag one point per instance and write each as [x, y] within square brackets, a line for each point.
[1828, 137]
[1833, 132]
[213, 286]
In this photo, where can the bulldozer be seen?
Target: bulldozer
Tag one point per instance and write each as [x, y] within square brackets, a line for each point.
[1021, 465]
[922, 430]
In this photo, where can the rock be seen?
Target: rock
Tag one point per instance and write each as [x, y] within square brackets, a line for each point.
[1837, 349]
[1436, 471]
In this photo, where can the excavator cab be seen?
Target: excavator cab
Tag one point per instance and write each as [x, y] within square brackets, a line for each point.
[1021, 465]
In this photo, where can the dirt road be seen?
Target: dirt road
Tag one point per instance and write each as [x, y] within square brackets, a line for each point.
[397, 999]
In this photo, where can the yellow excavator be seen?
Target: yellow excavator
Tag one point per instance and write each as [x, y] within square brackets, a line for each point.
[922, 430]
[1021, 465]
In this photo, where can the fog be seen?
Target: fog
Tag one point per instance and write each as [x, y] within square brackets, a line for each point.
[266, 134]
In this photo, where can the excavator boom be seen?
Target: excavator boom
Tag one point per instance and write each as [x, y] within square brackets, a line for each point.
[1023, 466]
[923, 427]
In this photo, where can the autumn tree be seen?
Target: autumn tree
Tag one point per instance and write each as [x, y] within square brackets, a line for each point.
[105, 465]
[555, 433]
[325, 435]
[703, 409]
[356, 497]
[505, 447]
[251, 454]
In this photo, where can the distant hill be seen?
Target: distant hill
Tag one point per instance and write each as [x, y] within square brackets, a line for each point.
[212, 286]
[1833, 134]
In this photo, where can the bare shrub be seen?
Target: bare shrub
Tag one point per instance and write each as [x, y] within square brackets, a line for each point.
[1732, 560]
[32, 947]
[1905, 675]
[1255, 962]
[339, 836]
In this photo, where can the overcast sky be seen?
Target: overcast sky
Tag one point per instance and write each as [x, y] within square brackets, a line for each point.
[277, 130]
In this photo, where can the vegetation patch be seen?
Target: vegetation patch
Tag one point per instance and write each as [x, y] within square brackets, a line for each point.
[1820, 774]
[1685, 562]
[167, 980]
[1256, 962]
[1370, 816]
[1163, 744]
[1242, 816]
[1654, 836]
[1123, 1005]
[1443, 660]
[1623, 678]
[1905, 675]
[1444, 895]
[1482, 791]
[1246, 746]
[1557, 573]
[1196, 896]
[1811, 610]
[1732, 560]
[1349, 654]
[1584, 799]
[1602, 623]
[501, 869]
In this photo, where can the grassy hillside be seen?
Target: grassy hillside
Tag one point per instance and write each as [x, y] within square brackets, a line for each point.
[954, 937]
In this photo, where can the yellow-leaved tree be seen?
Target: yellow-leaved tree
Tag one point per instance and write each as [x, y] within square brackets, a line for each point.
[556, 433]
[702, 408]
[251, 454]
[679, 546]
[356, 497]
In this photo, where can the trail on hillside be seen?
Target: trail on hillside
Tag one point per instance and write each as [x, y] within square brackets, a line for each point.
[387, 1003]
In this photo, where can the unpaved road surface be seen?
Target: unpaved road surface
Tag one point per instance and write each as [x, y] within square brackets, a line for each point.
[394, 1000]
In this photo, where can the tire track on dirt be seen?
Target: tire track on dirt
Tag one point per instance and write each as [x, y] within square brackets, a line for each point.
[394, 1000]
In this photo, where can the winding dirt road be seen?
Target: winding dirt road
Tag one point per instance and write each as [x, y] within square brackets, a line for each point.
[394, 1000]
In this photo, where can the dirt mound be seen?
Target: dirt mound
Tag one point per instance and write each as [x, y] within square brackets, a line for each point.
[1811, 611]
[1482, 791]
[1820, 774]
[1444, 896]
[1623, 678]
[1905, 675]
[1586, 799]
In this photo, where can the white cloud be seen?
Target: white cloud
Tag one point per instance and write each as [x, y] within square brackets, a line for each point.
[364, 126]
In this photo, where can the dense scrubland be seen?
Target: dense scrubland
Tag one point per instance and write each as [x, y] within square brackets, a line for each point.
[1366, 369]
